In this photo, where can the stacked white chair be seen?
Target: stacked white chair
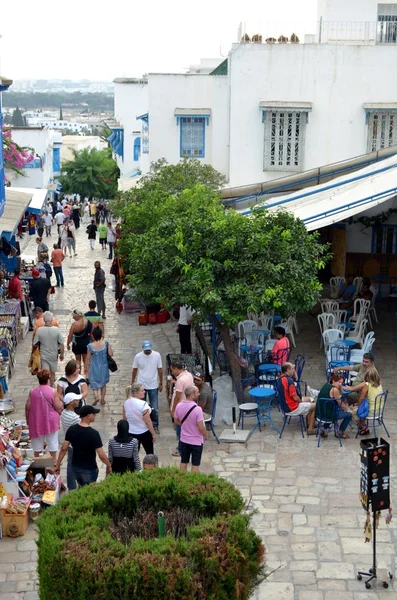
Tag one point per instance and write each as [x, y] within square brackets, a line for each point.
[360, 308]
[330, 336]
[326, 321]
[356, 356]
[288, 326]
[357, 281]
[329, 306]
[357, 334]
[334, 285]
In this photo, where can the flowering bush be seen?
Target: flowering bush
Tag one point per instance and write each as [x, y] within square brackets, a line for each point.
[16, 157]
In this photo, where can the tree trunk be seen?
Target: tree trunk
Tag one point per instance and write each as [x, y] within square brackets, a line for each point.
[230, 355]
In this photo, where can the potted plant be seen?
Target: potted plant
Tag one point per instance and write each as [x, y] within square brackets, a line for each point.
[294, 39]
[245, 39]
[282, 39]
[257, 38]
[271, 40]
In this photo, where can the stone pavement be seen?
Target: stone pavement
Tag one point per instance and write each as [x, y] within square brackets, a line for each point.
[306, 499]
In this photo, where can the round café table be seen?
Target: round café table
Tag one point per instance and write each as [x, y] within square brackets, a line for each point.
[263, 397]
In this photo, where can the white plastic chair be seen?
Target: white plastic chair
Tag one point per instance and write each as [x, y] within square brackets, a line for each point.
[329, 306]
[330, 336]
[356, 356]
[265, 322]
[325, 321]
[340, 316]
[357, 281]
[360, 307]
[253, 317]
[288, 326]
[372, 311]
[357, 334]
[334, 285]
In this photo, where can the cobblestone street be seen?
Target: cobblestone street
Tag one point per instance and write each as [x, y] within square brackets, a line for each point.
[306, 499]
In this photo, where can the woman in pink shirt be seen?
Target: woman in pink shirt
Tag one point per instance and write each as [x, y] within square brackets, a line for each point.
[42, 411]
[281, 349]
[193, 432]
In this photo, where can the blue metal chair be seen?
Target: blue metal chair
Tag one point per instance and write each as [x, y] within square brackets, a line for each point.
[210, 421]
[247, 408]
[269, 379]
[377, 417]
[287, 417]
[326, 414]
[299, 363]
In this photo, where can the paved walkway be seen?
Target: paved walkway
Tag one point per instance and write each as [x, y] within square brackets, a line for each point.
[306, 499]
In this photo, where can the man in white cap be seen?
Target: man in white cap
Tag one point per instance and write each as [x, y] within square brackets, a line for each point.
[50, 341]
[69, 418]
[148, 367]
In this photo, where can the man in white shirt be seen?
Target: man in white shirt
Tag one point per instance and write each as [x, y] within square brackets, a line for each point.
[59, 219]
[148, 367]
[47, 218]
[184, 328]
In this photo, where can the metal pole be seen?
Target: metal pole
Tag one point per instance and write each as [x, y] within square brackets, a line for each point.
[374, 546]
[161, 524]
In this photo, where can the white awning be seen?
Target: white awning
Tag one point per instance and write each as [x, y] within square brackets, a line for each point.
[341, 198]
[276, 105]
[38, 198]
[15, 207]
[192, 112]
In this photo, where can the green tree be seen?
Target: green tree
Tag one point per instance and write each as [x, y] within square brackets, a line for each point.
[60, 114]
[183, 247]
[17, 118]
[91, 173]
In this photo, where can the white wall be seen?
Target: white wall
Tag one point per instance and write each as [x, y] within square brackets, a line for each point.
[79, 142]
[168, 92]
[337, 79]
[130, 101]
[42, 142]
[350, 10]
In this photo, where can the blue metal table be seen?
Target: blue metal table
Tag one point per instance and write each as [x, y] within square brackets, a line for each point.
[263, 397]
[269, 367]
[349, 343]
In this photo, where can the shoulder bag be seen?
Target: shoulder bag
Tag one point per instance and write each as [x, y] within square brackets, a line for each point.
[111, 362]
[363, 409]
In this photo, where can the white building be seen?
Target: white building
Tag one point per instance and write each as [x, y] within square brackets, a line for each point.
[60, 125]
[47, 145]
[272, 109]
[79, 142]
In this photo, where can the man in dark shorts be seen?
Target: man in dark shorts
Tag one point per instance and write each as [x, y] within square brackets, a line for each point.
[193, 432]
[86, 443]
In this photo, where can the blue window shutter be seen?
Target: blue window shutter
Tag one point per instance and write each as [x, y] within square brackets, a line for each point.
[137, 148]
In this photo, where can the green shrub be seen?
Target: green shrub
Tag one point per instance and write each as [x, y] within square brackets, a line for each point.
[221, 558]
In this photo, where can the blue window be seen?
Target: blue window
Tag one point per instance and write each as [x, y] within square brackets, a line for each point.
[192, 142]
[384, 239]
[137, 148]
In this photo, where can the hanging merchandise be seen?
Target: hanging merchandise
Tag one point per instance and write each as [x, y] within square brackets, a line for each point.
[389, 516]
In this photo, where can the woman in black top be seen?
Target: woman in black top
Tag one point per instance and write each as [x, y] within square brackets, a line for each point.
[80, 336]
[91, 231]
[123, 450]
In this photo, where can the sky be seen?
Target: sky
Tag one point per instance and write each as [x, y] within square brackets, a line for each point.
[97, 40]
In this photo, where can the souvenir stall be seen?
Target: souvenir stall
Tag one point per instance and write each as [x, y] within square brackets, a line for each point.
[27, 484]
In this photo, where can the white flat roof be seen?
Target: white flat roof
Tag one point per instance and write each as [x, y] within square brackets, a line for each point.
[15, 207]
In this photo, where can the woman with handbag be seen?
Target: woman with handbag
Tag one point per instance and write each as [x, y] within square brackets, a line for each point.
[80, 336]
[42, 411]
[99, 354]
[138, 412]
[73, 382]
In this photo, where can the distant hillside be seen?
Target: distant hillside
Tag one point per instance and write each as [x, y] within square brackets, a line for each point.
[28, 101]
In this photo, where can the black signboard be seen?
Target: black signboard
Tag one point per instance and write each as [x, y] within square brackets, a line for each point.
[375, 474]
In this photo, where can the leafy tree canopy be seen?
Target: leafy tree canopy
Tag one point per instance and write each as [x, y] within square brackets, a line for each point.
[35, 100]
[91, 173]
[182, 246]
[17, 118]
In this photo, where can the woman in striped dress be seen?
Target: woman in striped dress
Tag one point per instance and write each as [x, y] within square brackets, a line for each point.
[123, 450]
